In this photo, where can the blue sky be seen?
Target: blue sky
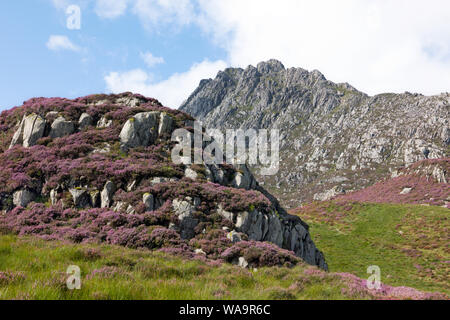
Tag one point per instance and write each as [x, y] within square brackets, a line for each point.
[163, 48]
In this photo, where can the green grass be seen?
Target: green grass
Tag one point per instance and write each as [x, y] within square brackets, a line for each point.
[142, 274]
[410, 243]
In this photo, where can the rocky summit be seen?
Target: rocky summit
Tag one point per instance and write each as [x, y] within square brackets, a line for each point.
[98, 169]
[334, 138]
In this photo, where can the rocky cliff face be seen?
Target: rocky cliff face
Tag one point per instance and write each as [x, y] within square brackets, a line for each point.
[333, 138]
[98, 169]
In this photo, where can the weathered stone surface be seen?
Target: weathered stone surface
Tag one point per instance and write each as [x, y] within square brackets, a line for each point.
[85, 121]
[95, 198]
[286, 232]
[234, 236]
[23, 197]
[81, 198]
[53, 196]
[406, 191]
[329, 194]
[189, 173]
[60, 128]
[242, 262]
[149, 201]
[200, 252]
[30, 130]
[140, 130]
[107, 194]
[326, 129]
[104, 123]
[165, 125]
[184, 210]
[18, 135]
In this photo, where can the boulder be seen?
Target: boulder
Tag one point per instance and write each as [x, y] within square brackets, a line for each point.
[189, 173]
[61, 128]
[140, 130]
[234, 236]
[406, 191]
[30, 130]
[53, 196]
[104, 123]
[81, 198]
[131, 186]
[200, 252]
[85, 121]
[107, 194]
[184, 210]
[95, 198]
[23, 197]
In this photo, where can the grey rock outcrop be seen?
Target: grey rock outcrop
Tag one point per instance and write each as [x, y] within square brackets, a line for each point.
[85, 121]
[30, 130]
[104, 123]
[60, 128]
[140, 130]
[107, 194]
[165, 124]
[149, 201]
[287, 232]
[326, 129]
[81, 198]
[23, 197]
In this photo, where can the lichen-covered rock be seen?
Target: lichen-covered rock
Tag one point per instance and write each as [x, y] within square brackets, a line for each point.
[60, 128]
[149, 201]
[326, 129]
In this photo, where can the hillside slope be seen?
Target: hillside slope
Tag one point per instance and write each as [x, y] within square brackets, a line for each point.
[99, 169]
[334, 138]
[34, 269]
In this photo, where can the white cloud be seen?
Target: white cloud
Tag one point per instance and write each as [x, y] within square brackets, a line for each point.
[154, 13]
[57, 43]
[150, 60]
[172, 91]
[376, 45]
[110, 9]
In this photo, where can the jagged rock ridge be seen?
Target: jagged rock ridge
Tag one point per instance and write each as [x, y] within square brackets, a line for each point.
[334, 139]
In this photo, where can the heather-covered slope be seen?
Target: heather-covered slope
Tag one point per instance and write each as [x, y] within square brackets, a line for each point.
[98, 169]
[334, 138]
[424, 182]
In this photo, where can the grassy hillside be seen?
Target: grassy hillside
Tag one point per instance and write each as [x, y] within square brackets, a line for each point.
[410, 243]
[35, 269]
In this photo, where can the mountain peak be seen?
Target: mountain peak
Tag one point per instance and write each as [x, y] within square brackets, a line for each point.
[269, 66]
